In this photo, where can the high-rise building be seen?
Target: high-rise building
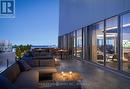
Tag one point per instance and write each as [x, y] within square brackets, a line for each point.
[97, 31]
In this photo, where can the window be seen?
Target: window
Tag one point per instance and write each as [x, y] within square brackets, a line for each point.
[111, 42]
[79, 43]
[74, 43]
[98, 43]
[125, 34]
[60, 41]
[65, 43]
[85, 43]
[70, 45]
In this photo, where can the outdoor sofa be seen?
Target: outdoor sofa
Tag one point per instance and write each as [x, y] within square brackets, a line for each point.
[15, 78]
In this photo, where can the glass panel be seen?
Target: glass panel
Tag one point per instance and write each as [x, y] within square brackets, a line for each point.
[60, 41]
[98, 43]
[111, 42]
[79, 43]
[74, 43]
[7, 56]
[89, 42]
[65, 42]
[126, 41]
[71, 44]
[84, 42]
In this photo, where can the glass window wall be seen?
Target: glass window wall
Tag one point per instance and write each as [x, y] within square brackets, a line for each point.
[74, 43]
[111, 42]
[125, 34]
[98, 43]
[85, 43]
[65, 43]
[102, 42]
[79, 43]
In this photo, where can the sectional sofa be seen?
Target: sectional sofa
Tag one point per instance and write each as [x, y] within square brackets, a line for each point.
[29, 79]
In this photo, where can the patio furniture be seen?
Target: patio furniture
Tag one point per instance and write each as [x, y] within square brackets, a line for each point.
[30, 79]
[60, 80]
[27, 79]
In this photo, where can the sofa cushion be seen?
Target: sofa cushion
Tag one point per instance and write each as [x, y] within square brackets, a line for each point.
[47, 63]
[23, 65]
[41, 63]
[33, 63]
[5, 83]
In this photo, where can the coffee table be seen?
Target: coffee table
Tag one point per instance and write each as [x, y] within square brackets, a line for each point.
[67, 76]
[60, 80]
[59, 76]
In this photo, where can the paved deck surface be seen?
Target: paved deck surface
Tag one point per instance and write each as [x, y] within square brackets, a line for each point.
[95, 77]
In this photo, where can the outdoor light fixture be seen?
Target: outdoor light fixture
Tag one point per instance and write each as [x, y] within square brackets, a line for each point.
[55, 59]
[70, 72]
[62, 72]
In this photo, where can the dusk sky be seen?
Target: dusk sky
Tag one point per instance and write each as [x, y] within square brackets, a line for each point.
[36, 23]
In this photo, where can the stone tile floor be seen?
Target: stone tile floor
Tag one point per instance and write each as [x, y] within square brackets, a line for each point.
[95, 77]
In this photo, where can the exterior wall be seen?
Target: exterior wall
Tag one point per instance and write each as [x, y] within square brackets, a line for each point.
[105, 34]
[75, 14]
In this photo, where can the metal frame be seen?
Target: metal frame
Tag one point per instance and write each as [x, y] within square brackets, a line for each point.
[104, 43]
[119, 42]
[84, 43]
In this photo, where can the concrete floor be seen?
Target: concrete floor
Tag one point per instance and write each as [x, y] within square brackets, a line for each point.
[96, 78]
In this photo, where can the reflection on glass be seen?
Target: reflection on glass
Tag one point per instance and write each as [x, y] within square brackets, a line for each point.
[71, 44]
[98, 43]
[85, 43]
[111, 42]
[65, 42]
[126, 42]
[74, 44]
[79, 43]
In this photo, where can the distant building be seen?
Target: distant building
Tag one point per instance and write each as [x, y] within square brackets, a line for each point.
[5, 46]
[43, 46]
[7, 56]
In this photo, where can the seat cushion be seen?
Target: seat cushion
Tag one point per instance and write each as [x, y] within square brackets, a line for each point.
[47, 63]
[30, 79]
[5, 83]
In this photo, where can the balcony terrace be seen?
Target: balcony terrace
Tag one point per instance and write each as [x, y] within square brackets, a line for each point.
[44, 69]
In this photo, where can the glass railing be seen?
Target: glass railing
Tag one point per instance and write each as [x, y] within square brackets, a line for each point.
[6, 60]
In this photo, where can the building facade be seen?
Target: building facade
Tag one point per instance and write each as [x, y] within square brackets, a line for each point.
[97, 31]
[5, 46]
[7, 56]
